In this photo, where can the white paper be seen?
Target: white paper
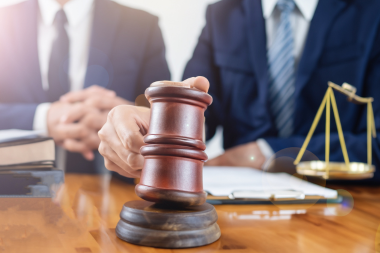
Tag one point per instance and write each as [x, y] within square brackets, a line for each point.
[222, 181]
[12, 134]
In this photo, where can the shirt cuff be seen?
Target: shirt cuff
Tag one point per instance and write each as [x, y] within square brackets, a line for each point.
[40, 118]
[267, 151]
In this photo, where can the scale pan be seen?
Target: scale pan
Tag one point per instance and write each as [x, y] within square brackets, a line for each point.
[337, 170]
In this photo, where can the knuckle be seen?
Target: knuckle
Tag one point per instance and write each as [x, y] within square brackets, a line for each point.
[84, 108]
[102, 134]
[124, 109]
[77, 107]
[96, 101]
[133, 161]
[121, 111]
[91, 118]
[86, 121]
[108, 164]
[102, 149]
[133, 166]
[126, 141]
[66, 145]
[82, 131]
[111, 114]
[91, 101]
[96, 87]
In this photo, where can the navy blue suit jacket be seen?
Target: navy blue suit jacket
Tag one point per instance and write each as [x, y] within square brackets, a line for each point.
[127, 54]
[343, 45]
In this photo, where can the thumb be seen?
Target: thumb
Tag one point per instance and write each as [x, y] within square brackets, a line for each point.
[199, 82]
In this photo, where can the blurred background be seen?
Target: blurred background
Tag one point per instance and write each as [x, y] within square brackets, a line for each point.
[181, 22]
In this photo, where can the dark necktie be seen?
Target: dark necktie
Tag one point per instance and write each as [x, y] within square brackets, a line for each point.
[58, 77]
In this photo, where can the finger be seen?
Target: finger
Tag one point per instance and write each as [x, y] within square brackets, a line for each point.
[130, 131]
[199, 82]
[88, 155]
[113, 167]
[135, 161]
[112, 142]
[111, 155]
[106, 103]
[74, 96]
[75, 113]
[100, 102]
[75, 146]
[92, 141]
[95, 120]
[78, 147]
[96, 89]
[71, 131]
[80, 96]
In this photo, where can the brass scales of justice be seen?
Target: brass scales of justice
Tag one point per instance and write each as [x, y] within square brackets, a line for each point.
[338, 170]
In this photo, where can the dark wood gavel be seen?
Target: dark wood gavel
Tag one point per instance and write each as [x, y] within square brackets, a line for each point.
[174, 151]
[173, 213]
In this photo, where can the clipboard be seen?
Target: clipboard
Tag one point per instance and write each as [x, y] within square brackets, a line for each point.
[269, 198]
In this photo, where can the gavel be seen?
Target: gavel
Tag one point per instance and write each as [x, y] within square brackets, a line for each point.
[174, 213]
[174, 154]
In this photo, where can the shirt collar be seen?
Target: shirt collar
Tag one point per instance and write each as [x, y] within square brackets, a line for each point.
[75, 10]
[306, 7]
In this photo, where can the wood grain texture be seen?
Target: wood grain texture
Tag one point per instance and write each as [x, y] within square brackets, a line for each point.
[173, 154]
[177, 112]
[149, 224]
[84, 215]
[170, 197]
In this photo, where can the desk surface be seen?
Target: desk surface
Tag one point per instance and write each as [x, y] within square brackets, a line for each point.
[83, 217]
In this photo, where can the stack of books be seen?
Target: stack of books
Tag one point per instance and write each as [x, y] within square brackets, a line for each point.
[27, 165]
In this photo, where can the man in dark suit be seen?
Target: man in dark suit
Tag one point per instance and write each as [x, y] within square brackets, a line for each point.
[51, 48]
[268, 63]
[238, 56]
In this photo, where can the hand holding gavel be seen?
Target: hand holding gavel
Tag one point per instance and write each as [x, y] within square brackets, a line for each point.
[122, 135]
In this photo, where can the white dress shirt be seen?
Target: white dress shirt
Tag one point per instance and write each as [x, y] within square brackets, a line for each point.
[300, 21]
[79, 15]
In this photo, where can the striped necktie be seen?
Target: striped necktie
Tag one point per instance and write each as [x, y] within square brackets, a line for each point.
[282, 72]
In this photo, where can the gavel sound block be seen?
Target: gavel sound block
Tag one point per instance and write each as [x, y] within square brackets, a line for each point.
[173, 213]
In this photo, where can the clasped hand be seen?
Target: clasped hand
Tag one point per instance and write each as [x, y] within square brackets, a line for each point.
[74, 120]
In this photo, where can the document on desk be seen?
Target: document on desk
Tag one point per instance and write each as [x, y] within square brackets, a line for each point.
[239, 182]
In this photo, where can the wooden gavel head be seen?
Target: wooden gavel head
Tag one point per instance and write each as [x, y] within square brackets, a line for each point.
[174, 151]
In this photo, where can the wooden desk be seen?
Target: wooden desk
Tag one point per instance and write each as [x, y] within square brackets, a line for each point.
[83, 217]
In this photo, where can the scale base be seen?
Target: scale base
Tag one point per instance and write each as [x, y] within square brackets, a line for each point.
[337, 170]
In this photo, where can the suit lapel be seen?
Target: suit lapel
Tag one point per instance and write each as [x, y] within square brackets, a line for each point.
[26, 39]
[324, 15]
[257, 44]
[104, 27]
